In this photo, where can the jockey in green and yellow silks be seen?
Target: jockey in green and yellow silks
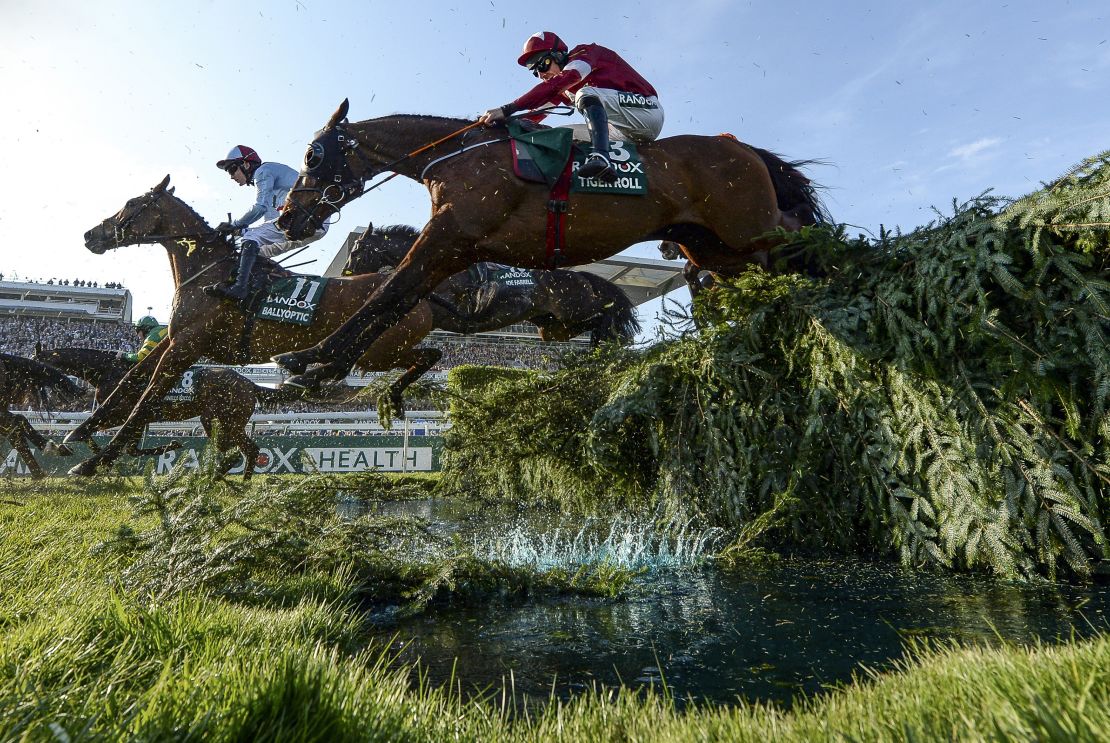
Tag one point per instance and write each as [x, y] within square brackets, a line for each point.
[151, 332]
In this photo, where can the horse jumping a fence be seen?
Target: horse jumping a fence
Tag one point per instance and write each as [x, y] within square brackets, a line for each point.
[720, 199]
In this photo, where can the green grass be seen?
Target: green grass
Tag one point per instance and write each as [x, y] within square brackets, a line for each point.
[81, 657]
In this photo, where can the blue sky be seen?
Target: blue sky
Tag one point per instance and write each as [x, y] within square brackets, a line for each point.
[910, 104]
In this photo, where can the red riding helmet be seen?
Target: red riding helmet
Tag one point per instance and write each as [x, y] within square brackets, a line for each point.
[537, 43]
[239, 154]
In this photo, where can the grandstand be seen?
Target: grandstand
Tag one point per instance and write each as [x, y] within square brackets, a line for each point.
[73, 313]
[65, 301]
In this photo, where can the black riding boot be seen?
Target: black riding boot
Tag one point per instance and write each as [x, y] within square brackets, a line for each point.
[597, 162]
[248, 251]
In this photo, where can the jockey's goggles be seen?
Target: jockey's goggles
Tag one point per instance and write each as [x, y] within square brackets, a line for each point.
[541, 63]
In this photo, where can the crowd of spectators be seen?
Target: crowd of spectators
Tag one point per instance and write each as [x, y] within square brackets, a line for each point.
[53, 281]
[18, 335]
[517, 355]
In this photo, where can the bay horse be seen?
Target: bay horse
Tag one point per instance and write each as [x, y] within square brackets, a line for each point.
[219, 396]
[562, 304]
[203, 326]
[719, 198]
[25, 382]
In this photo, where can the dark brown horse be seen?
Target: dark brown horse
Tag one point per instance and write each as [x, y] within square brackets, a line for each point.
[202, 326]
[562, 304]
[23, 383]
[716, 196]
[216, 396]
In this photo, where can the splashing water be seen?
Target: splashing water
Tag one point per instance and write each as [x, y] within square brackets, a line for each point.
[629, 544]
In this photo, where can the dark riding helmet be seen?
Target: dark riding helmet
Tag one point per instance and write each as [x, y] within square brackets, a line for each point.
[540, 46]
[146, 324]
[240, 155]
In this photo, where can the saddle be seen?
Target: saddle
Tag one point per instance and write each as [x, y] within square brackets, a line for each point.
[540, 154]
[264, 273]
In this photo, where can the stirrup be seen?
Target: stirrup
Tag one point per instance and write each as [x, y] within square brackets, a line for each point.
[225, 290]
[598, 166]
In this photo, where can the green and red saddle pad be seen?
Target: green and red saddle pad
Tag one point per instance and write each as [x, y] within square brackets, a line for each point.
[543, 156]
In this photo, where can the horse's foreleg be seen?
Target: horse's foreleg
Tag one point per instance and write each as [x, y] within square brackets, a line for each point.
[387, 304]
[691, 272]
[436, 255]
[122, 399]
[19, 443]
[14, 427]
[171, 364]
[33, 437]
[422, 360]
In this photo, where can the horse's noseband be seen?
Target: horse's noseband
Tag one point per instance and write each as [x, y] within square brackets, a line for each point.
[326, 162]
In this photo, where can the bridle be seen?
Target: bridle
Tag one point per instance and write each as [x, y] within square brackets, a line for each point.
[327, 162]
[119, 229]
[119, 235]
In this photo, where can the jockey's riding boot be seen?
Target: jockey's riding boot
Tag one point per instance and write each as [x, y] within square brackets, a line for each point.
[248, 251]
[597, 162]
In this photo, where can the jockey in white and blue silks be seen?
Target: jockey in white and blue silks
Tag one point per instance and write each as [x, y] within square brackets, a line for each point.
[272, 182]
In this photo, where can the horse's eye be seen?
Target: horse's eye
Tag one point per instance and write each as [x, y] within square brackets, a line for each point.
[314, 157]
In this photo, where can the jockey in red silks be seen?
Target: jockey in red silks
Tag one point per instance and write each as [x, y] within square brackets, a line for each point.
[596, 81]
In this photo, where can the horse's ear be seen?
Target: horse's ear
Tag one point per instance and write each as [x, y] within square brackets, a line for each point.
[369, 227]
[38, 348]
[340, 114]
[162, 186]
[170, 192]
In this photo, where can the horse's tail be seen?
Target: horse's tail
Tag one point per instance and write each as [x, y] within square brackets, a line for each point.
[795, 192]
[617, 321]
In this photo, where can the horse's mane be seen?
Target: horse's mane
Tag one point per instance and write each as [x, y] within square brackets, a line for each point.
[426, 117]
[397, 231]
[190, 210]
[85, 351]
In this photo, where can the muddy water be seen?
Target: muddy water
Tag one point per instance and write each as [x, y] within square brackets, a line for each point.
[798, 626]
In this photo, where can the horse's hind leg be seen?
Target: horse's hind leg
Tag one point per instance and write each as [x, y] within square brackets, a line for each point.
[239, 437]
[171, 364]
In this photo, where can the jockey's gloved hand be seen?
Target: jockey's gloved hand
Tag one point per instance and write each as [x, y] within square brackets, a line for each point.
[493, 117]
[121, 354]
[225, 228]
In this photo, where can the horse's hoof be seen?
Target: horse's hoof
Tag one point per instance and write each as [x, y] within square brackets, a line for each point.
[313, 378]
[294, 362]
[57, 450]
[304, 382]
[84, 469]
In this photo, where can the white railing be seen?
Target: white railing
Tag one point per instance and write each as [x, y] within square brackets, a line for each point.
[415, 423]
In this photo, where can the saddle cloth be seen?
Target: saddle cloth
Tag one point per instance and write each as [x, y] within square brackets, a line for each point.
[541, 156]
[290, 299]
